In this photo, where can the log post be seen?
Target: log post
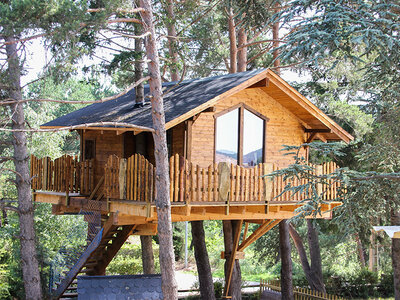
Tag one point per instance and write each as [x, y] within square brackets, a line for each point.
[224, 183]
[122, 178]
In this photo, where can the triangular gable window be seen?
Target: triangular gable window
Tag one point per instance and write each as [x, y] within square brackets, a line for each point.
[240, 136]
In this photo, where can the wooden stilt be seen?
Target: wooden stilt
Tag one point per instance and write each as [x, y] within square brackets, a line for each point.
[260, 231]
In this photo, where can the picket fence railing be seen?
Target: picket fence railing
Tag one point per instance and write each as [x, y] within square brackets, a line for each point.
[133, 179]
[64, 174]
[299, 293]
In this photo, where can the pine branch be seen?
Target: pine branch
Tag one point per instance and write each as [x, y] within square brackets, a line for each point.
[9, 101]
[116, 125]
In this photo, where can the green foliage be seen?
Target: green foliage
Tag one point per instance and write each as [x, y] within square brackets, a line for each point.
[128, 260]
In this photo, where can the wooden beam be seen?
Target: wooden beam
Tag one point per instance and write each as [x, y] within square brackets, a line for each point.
[239, 255]
[260, 231]
[312, 130]
[262, 83]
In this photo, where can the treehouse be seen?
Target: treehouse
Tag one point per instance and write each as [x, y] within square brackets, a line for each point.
[223, 134]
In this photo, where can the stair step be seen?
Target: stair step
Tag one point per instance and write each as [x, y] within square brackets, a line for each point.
[69, 295]
[72, 288]
[86, 270]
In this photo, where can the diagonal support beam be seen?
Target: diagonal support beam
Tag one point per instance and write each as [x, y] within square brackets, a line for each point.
[232, 257]
[260, 231]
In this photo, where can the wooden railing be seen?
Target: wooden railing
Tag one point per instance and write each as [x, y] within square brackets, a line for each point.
[133, 179]
[328, 191]
[64, 174]
[299, 293]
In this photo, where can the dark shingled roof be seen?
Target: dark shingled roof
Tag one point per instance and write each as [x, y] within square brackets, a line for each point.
[186, 96]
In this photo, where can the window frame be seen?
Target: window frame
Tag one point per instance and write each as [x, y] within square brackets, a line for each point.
[241, 106]
[93, 150]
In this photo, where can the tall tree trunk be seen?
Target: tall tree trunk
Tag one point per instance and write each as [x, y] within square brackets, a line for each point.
[315, 256]
[235, 289]
[147, 254]
[286, 260]
[232, 42]
[29, 262]
[242, 52]
[172, 41]
[167, 257]
[202, 261]
[145, 240]
[395, 221]
[360, 250]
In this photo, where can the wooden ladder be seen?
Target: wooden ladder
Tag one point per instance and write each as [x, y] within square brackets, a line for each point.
[95, 259]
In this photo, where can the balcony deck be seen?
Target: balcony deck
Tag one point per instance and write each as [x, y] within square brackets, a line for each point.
[219, 192]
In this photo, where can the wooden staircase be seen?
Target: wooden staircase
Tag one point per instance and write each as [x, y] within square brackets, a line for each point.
[95, 259]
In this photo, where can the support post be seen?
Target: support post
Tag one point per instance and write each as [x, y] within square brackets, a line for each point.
[224, 183]
[122, 178]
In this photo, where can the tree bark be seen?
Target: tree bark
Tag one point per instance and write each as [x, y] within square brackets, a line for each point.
[172, 41]
[232, 42]
[286, 260]
[313, 276]
[163, 204]
[275, 45]
[315, 257]
[29, 262]
[395, 221]
[242, 52]
[147, 254]
[139, 90]
[372, 261]
[202, 261]
[235, 289]
[360, 250]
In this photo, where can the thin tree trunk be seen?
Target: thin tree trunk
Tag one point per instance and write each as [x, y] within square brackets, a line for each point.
[315, 257]
[139, 90]
[395, 221]
[235, 289]
[242, 52]
[360, 250]
[29, 262]
[232, 42]
[275, 37]
[167, 257]
[298, 242]
[372, 263]
[286, 259]
[147, 254]
[172, 41]
[202, 261]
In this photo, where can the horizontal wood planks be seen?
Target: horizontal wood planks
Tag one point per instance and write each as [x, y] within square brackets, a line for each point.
[107, 143]
[283, 127]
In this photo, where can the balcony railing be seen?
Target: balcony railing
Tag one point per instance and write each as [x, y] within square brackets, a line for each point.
[133, 179]
[65, 174]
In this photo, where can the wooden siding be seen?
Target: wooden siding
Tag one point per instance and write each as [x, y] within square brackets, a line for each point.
[178, 139]
[107, 143]
[283, 128]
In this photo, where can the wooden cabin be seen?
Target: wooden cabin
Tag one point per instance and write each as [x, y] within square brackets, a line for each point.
[223, 134]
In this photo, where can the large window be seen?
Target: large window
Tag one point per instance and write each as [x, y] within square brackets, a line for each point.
[240, 136]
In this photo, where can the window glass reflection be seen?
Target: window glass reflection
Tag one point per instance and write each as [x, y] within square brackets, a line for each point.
[253, 131]
[227, 137]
